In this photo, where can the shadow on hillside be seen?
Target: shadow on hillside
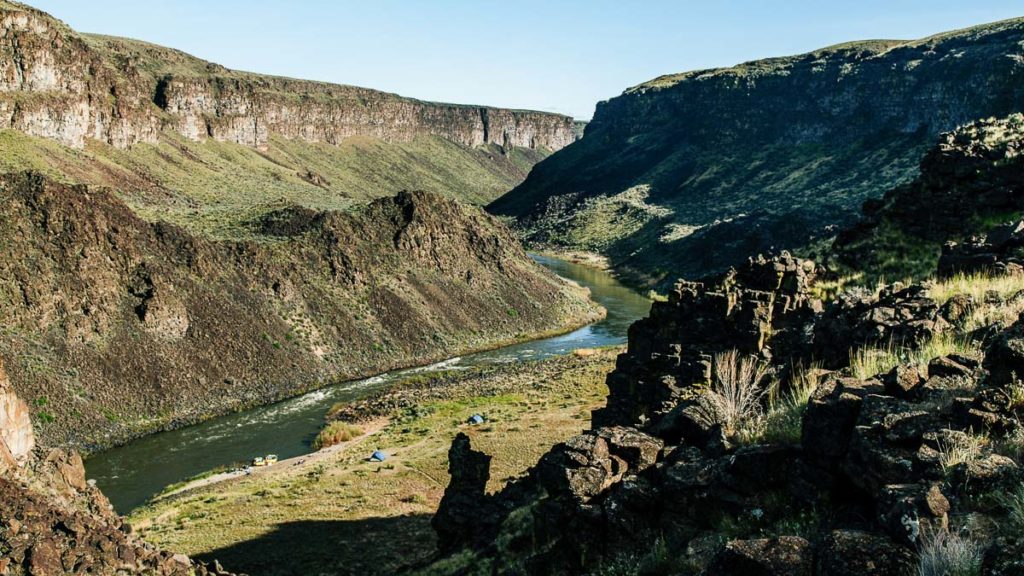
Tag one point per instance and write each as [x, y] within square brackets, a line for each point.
[369, 546]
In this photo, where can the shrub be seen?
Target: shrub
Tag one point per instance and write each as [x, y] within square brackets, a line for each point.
[735, 397]
[336, 433]
[949, 554]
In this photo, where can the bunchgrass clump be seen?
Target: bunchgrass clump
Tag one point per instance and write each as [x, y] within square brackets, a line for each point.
[735, 399]
[977, 286]
[868, 362]
[784, 421]
[949, 554]
[336, 433]
[956, 449]
[1013, 503]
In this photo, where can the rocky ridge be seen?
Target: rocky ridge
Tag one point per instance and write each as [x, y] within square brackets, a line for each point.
[875, 470]
[690, 174]
[69, 87]
[115, 326]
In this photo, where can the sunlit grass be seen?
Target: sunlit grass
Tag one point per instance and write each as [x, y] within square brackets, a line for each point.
[868, 362]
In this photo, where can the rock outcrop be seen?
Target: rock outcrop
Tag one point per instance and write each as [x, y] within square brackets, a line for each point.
[53, 522]
[691, 173]
[17, 439]
[57, 84]
[970, 184]
[115, 326]
[880, 467]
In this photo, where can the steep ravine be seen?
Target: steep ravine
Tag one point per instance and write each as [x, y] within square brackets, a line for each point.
[691, 173]
[115, 326]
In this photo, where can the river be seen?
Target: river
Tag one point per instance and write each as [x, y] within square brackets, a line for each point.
[133, 473]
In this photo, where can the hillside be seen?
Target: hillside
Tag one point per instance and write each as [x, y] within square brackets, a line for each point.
[691, 173]
[116, 327]
[198, 143]
[971, 181]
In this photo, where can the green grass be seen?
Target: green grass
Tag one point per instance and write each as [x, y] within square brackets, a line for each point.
[870, 361]
[337, 513]
[220, 189]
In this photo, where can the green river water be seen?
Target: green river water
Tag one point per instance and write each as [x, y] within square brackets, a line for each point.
[131, 474]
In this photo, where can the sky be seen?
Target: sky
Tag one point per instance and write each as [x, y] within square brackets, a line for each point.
[554, 55]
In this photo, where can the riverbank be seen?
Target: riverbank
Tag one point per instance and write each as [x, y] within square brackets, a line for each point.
[352, 516]
[132, 431]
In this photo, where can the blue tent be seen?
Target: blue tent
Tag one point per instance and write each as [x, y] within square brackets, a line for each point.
[475, 419]
[378, 456]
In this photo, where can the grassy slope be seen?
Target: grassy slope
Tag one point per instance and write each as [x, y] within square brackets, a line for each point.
[214, 188]
[765, 155]
[343, 515]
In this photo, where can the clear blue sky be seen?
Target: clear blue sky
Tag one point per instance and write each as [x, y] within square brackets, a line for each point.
[555, 55]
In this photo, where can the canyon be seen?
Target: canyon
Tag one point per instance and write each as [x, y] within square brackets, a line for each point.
[688, 174]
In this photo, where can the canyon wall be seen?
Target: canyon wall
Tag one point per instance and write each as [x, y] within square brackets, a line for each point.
[115, 327]
[690, 173]
[70, 87]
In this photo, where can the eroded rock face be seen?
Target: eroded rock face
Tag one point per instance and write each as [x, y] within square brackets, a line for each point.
[17, 438]
[146, 318]
[57, 84]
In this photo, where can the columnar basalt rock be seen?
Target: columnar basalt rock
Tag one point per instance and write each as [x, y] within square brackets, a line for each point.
[763, 308]
[970, 184]
[883, 464]
[17, 439]
[999, 252]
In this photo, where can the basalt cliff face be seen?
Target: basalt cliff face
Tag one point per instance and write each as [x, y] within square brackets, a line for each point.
[165, 129]
[689, 174]
[891, 468]
[115, 326]
[69, 87]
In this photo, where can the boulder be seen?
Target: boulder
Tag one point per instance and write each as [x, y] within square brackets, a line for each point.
[858, 553]
[782, 556]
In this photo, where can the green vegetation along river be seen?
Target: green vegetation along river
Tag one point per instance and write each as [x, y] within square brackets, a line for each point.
[131, 474]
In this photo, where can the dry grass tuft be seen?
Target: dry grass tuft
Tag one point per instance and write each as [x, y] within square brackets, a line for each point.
[735, 398]
[958, 449]
[949, 554]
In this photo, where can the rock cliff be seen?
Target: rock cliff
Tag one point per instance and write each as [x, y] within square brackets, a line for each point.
[894, 466]
[115, 326]
[69, 87]
[53, 522]
[691, 173]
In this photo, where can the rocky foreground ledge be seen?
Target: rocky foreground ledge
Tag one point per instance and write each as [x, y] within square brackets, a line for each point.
[752, 429]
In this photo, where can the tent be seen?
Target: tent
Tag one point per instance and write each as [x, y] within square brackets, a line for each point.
[475, 419]
[378, 456]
